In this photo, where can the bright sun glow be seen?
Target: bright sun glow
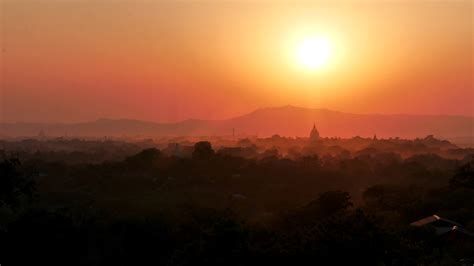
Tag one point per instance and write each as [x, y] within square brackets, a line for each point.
[314, 53]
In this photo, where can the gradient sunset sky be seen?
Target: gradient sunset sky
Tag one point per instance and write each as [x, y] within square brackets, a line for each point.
[78, 60]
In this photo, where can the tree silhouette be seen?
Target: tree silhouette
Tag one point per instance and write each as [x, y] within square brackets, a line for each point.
[331, 202]
[144, 158]
[14, 184]
[203, 150]
[464, 176]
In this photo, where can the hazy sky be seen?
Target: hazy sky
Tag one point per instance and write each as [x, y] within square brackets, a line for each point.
[170, 60]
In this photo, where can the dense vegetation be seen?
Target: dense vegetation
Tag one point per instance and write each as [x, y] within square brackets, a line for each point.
[216, 209]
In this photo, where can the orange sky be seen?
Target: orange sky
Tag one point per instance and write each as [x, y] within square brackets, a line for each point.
[79, 60]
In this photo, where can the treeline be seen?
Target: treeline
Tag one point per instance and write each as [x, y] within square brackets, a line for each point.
[215, 209]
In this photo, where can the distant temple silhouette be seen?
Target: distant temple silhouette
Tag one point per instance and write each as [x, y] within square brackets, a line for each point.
[314, 134]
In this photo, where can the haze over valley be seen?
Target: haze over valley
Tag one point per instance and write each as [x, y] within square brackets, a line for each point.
[287, 121]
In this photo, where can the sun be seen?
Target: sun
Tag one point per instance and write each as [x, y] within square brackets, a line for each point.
[314, 52]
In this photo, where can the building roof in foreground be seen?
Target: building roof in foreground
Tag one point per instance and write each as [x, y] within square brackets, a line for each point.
[454, 229]
[436, 221]
[442, 225]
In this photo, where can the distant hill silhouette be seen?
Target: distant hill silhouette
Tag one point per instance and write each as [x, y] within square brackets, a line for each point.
[285, 121]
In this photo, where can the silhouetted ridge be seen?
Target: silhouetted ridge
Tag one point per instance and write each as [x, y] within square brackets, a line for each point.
[286, 121]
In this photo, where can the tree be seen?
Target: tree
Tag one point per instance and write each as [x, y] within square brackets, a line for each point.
[203, 150]
[14, 184]
[144, 158]
[464, 176]
[331, 202]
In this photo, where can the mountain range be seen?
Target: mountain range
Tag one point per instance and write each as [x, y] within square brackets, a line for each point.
[285, 121]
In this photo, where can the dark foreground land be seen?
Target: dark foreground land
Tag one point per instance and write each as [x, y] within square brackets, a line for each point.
[271, 201]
